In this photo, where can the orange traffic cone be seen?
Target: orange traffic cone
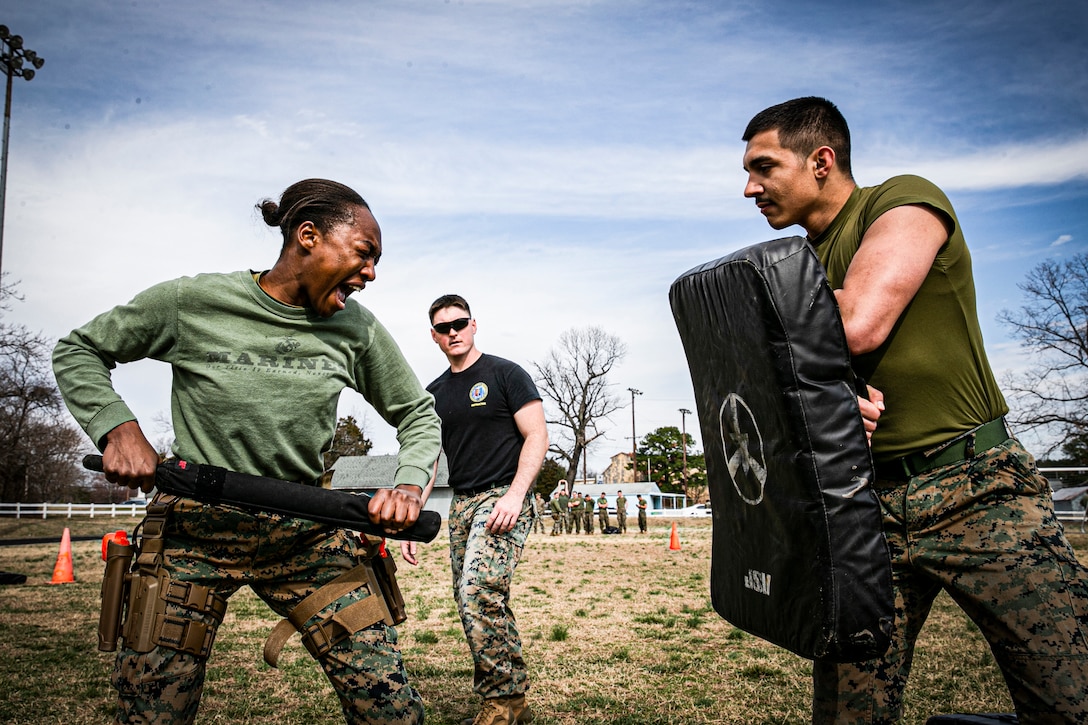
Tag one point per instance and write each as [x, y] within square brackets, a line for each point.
[674, 540]
[62, 570]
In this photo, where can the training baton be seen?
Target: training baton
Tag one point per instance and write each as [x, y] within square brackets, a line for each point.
[215, 485]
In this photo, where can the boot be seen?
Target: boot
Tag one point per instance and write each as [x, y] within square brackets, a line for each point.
[502, 711]
[522, 714]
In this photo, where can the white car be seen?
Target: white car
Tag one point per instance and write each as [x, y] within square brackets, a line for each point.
[699, 509]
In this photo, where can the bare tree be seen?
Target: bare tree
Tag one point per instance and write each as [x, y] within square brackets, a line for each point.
[1053, 326]
[38, 447]
[574, 380]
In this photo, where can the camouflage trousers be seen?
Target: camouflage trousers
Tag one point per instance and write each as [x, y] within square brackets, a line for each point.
[983, 530]
[557, 524]
[483, 568]
[621, 521]
[283, 560]
[538, 522]
[602, 519]
[587, 521]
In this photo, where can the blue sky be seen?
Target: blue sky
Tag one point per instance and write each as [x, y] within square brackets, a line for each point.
[558, 163]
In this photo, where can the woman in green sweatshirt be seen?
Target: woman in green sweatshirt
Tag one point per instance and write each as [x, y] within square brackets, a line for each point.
[259, 360]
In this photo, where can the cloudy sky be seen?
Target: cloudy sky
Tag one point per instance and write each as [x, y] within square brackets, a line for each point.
[557, 163]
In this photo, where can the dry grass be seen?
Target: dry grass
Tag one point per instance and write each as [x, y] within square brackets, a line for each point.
[617, 629]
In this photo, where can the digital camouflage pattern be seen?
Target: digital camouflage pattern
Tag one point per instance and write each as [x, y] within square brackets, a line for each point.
[283, 560]
[483, 568]
[985, 531]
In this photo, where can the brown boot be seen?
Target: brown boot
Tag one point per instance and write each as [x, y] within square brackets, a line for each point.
[522, 714]
[502, 711]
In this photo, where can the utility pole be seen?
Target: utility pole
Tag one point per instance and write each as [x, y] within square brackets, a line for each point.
[634, 440]
[13, 56]
[684, 412]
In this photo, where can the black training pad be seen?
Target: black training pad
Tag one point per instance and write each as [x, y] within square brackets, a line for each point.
[799, 558]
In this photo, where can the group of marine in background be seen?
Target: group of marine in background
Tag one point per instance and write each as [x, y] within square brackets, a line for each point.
[573, 512]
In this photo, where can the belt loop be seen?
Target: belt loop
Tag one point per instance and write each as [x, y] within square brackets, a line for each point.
[969, 451]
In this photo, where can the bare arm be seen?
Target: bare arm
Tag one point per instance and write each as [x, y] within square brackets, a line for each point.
[408, 548]
[531, 425]
[889, 267]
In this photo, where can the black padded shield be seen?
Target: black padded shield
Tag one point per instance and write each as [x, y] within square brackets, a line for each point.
[799, 557]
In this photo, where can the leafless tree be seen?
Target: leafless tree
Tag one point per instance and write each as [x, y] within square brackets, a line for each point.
[1053, 326]
[38, 447]
[574, 381]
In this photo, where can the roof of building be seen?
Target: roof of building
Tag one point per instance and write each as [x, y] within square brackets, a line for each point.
[354, 473]
[1070, 494]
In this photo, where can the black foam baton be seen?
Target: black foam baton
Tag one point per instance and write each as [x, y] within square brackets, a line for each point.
[215, 485]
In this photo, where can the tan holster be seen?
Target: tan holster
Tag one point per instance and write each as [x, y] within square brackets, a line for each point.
[383, 603]
[151, 589]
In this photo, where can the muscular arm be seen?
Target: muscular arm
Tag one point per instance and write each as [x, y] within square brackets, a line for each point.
[889, 267]
[530, 422]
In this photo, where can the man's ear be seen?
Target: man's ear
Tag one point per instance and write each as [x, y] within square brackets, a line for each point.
[823, 160]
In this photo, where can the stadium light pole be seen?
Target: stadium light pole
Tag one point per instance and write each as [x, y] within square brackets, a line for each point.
[684, 413]
[634, 440]
[17, 61]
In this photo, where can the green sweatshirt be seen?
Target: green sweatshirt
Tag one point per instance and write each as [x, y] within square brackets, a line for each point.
[255, 382]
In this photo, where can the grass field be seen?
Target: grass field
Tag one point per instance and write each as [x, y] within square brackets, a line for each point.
[616, 629]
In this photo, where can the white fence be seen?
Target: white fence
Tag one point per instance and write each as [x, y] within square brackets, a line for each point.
[111, 510]
[68, 510]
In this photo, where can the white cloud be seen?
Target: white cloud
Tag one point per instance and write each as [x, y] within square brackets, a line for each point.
[1001, 166]
[1063, 239]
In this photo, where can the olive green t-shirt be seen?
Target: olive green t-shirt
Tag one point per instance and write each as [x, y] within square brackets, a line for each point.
[932, 369]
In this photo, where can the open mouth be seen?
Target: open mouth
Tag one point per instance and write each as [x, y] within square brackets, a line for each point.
[346, 290]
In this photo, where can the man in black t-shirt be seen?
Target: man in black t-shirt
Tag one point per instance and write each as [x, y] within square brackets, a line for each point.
[495, 439]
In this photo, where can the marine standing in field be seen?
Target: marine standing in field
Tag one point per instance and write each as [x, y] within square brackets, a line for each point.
[587, 513]
[965, 509]
[602, 513]
[495, 439]
[538, 513]
[564, 508]
[621, 512]
[557, 515]
[258, 361]
[640, 504]
[574, 507]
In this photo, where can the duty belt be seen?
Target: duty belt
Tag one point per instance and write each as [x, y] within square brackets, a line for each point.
[961, 448]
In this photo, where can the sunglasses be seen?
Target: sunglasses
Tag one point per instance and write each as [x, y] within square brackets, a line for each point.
[443, 328]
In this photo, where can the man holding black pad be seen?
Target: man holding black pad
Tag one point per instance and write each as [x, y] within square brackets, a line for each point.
[964, 508]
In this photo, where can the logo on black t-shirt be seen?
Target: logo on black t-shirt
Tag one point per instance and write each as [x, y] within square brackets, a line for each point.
[478, 394]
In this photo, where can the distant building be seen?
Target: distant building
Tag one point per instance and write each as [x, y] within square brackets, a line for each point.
[619, 470]
[368, 474]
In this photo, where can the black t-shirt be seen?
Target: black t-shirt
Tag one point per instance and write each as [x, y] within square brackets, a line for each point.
[477, 406]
